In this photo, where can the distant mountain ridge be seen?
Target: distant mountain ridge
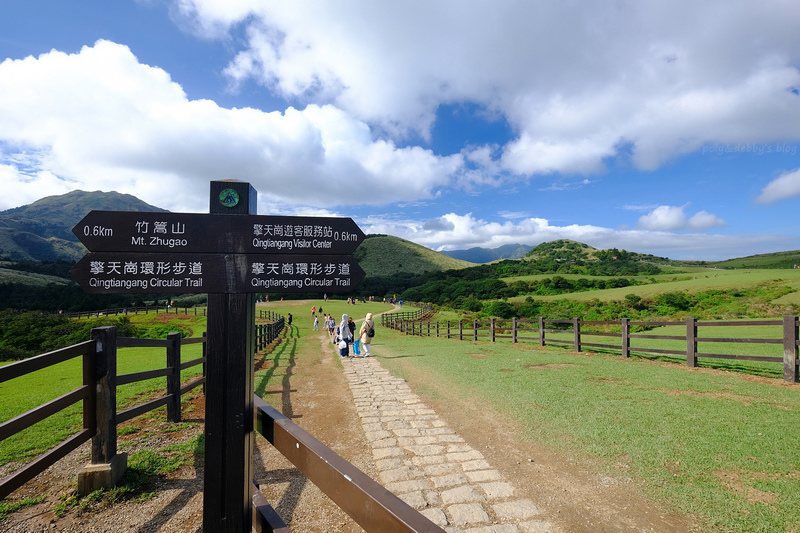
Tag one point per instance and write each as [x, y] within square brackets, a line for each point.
[487, 255]
[42, 231]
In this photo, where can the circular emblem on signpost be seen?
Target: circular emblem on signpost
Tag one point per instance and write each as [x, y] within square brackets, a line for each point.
[229, 198]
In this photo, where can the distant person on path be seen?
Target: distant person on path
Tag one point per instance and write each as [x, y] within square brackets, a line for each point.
[345, 335]
[290, 319]
[367, 332]
[316, 323]
[330, 323]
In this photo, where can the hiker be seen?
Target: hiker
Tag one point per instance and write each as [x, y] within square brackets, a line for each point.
[367, 332]
[345, 337]
[331, 326]
[316, 323]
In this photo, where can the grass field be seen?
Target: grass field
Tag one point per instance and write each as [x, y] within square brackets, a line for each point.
[718, 446]
[27, 392]
[693, 279]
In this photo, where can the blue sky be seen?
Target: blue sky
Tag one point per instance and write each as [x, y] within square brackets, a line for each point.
[669, 128]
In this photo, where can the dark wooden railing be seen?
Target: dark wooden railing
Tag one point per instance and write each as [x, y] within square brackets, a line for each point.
[98, 393]
[373, 507]
[575, 332]
[197, 311]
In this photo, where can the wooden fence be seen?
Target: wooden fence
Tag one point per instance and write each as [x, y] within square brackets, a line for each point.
[373, 507]
[575, 332]
[367, 502]
[98, 393]
[111, 311]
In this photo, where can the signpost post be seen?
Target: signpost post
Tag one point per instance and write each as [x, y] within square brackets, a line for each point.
[230, 254]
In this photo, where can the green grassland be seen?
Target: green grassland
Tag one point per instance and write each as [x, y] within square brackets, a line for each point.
[691, 279]
[31, 390]
[717, 446]
[10, 275]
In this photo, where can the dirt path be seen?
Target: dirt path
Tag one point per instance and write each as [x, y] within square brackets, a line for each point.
[320, 402]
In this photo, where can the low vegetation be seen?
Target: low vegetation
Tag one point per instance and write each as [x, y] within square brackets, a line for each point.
[711, 445]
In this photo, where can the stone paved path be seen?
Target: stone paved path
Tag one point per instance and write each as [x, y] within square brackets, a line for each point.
[428, 465]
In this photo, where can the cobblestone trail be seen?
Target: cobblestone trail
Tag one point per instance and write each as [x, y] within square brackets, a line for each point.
[428, 465]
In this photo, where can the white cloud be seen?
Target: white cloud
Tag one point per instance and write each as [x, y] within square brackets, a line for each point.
[101, 120]
[672, 218]
[705, 220]
[787, 185]
[578, 81]
[456, 232]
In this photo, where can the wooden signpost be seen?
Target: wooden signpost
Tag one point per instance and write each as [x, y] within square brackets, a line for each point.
[230, 254]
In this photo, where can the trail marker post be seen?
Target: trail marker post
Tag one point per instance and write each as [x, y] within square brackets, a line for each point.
[230, 254]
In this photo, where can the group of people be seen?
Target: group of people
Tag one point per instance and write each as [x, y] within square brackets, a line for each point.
[344, 335]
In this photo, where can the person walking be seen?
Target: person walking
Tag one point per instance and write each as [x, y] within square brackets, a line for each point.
[352, 326]
[316, 323]
[366, 333]
[345, 335]
[330, 323]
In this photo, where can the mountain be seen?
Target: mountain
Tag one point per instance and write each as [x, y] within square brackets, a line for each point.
[487, 255]
[42, 231]
[384, 255]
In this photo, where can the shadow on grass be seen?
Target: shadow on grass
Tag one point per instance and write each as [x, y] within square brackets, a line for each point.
[286, 350]
[746, 368]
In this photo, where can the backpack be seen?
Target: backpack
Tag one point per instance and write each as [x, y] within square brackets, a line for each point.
[371, 331]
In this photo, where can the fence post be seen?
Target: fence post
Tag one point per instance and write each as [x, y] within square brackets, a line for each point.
[790, 348]
[514, 330]
[541, 331]
[460, 330]
[491, 325]
[576, 328]
[174, 377]
[691, 342]
[475, 329]
[107, 466]
[205, 358]
[626, 343]
[448, 329]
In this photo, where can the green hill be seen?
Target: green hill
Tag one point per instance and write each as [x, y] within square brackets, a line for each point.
[773, 260]
[42, 231]
[384, 255]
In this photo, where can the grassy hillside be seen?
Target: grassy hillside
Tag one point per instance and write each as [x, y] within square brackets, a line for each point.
[773, 260]
[42, 231]
[384, 255]
[15, 275]
[692, 280]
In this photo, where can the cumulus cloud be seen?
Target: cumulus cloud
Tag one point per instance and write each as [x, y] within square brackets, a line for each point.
[467, 231]
[665, 84]
[787, 185]
[673, 218]
[99, 119]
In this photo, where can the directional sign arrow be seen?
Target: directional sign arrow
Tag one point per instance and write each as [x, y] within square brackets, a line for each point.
[178, 273]
[137, 231]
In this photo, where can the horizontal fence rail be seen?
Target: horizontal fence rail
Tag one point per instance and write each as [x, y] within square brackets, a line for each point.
[372, 506]
[112, 311]
[579, 334]
[98, 393]
[85, 393]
